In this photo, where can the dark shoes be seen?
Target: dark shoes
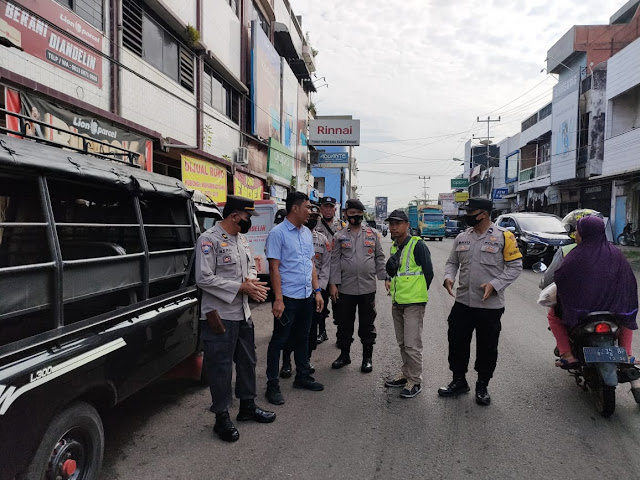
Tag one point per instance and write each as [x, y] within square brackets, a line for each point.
[312, 369]
[273, 394]
[225, 429]
[367, 363]
[255, 413]
[322, 338]
[410, 390]
[308, 383]
[398, 382]
[456, 387]
[482, 394]
[342, 360]
[285, 371]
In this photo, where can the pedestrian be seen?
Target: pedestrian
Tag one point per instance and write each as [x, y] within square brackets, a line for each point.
[356, 260]
[295, 287]
[488, 260]
[322, 260]
[410, 273]
[329, 224]
[226, 274]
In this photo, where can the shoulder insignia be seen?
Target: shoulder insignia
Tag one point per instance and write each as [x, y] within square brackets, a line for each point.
[206, 247]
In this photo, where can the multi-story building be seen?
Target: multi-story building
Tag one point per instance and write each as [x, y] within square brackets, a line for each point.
[188, 85]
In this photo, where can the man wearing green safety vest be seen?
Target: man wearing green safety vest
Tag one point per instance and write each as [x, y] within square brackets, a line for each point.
[409, 273]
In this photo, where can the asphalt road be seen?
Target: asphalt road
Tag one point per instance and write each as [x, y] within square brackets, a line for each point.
[539, 425]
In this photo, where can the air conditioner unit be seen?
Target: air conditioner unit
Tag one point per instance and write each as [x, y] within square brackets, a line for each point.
[243, 156]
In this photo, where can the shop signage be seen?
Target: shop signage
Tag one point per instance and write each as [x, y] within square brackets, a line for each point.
[65, 119]
[446, 197]
[247, 186]
[381, 208]
[334, 132]
[499, 193]
[333, 159]
[459, 183]
[38, 38]
[206, 177]
[461, 197]
[280, 161]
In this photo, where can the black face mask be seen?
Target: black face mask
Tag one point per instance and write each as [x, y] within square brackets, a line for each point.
[311, 223]
[355, 219]
[472, 220]
[244, 225]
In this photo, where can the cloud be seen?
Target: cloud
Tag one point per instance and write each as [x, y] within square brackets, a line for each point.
[422, 68]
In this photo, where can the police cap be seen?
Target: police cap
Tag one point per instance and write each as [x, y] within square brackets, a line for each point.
[478, 204]
[327, 201]
[354, 203]
[280, 216]
[314, 210]
[238, 204]
[398, 215]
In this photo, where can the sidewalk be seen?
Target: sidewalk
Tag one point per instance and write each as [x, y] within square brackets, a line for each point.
[633, 255]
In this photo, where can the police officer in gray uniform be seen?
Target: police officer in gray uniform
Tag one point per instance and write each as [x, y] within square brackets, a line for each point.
[328, 225]
[226, 274]
[487, 260]
[356, 260]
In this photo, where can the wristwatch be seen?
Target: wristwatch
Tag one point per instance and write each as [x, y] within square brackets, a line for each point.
[317, 290]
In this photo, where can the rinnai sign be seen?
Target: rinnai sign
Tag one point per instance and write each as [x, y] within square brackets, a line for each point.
[327, 132]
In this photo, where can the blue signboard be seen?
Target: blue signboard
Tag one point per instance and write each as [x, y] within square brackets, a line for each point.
[499, 193]
[333, 159]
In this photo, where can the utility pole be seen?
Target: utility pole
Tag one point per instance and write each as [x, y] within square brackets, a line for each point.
[487, 141]
[424, 188]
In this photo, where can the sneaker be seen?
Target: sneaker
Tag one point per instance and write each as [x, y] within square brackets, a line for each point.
[322, 338]
[397, 382]
[308, 383]
[410, 390]
[274, 395]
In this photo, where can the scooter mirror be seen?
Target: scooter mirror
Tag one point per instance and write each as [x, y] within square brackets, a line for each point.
[539, 267]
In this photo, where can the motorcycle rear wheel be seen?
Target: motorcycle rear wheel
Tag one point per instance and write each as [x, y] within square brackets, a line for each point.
[606, 400]
[623, 240]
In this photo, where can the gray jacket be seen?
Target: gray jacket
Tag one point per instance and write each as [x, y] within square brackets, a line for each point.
[492, 257]
[356, 260]
[222, 263]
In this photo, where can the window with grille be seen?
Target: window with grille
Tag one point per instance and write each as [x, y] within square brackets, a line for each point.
[91, 11]
[146, 37]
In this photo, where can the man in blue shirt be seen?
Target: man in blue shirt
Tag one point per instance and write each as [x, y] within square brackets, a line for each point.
[295, 286]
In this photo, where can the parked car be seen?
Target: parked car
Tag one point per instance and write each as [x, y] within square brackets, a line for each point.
[539, 235]
[452, 228]
[99, 300]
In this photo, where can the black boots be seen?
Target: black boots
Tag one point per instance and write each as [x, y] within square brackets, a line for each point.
[224, 428]
[458, 386]
[342, 360]
[367, 363]
[250, 411]
[273, 393]
[482, 394]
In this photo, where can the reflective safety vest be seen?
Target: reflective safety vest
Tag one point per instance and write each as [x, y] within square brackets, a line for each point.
[408, 285]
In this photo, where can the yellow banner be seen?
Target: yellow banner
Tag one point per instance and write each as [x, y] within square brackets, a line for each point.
[205, 176]
[462, 196]
[247, 186]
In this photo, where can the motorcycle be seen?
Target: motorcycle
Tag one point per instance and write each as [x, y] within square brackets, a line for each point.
[629, 237]
[602, 364]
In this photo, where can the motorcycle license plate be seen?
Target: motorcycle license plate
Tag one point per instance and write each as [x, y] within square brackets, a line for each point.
[605, 355]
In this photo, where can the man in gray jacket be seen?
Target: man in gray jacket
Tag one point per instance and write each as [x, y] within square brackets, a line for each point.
[488, 260]
[226, 274]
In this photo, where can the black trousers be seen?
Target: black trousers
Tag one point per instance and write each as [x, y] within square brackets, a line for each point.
[345, 313]
[463, 320]
[322, 318]
[312, 340]
[235, 345]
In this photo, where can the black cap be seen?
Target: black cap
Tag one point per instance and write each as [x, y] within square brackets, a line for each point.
[354, 203]
[314, 210]
[399, 215]
[238, 204]
[280, 216]
[327, 200]
[478, 204]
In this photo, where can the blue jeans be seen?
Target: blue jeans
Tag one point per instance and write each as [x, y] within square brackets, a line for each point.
[295, 323]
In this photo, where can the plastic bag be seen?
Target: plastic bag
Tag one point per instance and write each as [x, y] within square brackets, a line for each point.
[549, 296]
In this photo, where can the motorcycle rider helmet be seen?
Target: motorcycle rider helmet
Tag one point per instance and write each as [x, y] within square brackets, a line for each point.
[570, 221]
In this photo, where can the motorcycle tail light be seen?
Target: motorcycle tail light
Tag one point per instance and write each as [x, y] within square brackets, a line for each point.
[603, 328]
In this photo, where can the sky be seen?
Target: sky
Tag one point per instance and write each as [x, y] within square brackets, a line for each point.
[418, 73]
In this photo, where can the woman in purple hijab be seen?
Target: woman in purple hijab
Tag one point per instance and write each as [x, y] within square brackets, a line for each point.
[596, 276]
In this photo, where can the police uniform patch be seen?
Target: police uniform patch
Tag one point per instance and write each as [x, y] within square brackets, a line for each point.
[345, 244]
[227, 259]
[224, 244]
[369, 243]
[370, 251]
[328, 245]
[206, 247]
[493, 239]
